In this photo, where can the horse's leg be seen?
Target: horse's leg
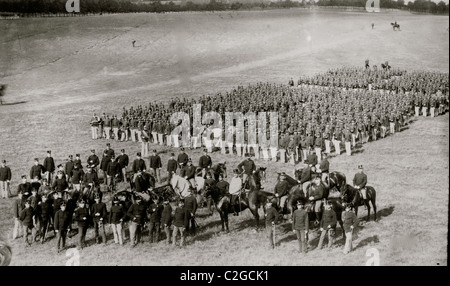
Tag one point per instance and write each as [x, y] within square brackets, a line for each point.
[222, 219]
[374, 209]
[368, 209]
[341, 223]
[225, 213]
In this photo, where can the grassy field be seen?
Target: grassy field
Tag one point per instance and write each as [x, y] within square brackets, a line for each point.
[65, 69]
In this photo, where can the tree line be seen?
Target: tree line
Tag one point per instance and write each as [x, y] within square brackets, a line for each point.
[127, 6]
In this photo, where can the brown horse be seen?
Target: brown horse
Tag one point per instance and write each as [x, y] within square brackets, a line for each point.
[352, 196]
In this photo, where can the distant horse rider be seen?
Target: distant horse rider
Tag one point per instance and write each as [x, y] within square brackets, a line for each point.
[282, 191]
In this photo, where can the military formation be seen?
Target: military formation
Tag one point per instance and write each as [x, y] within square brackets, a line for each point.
[331, 112]
[317, 117]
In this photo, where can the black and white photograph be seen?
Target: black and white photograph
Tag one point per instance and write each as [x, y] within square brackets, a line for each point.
[215, 134]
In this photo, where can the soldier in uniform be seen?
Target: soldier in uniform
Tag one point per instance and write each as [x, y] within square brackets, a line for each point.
[137, 215]
[300, 226]
[155, 166]
[271, 219]
[93, 160]
[188, 172]
[5, 180]
[138, 165]
[82, 217]
[61, 226]
[17, 207]
[205, 163]
[172, 166]
[99, 213]
[360, 181]
[37, 170]
[180, 222]
[327, 225]
[282, 191]
[122, 160]
[154, 217]
[166, 219]
[116, 218]
[182, 158]
[68, 168]
[350, 222]
[27, 217]
[249, 167]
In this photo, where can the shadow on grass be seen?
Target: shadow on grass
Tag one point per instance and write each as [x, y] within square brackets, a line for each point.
[13, 103]
[387, 211]
[360, 150]
[368, 241]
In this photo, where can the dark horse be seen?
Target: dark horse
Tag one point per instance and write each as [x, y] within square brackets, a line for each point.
[253, 200]
[215, 171]
[352, 196]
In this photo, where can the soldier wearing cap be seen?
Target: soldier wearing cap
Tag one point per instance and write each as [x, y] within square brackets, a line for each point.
[360, 181]
[116, 219]
[327, 225]
[190, 203]
[205, 163]
[180, 222]
[99, 213]
[188, 172]
[17, 207]
[113, 172]
[76, 178]
[45, 214]
[154, 220]
[350, 222]
[281, 191]
[172, 166]
[68, 168]
[155, 166]
[90, 179]
[27, 217]
[166, 219]
[182, 158]
[300, 226]
[61, 226]
[137, 215]
[123, 161]
[107, 127]
[109, 151]
[271, 219]
[60, 183]
[37, 169]
[95, 122]
[25, 188]
[82, 217]
[249, 167]
[104, 167]
[49, 167]
[138, 165]
[5, 180]
[77, 161]
[93, 160]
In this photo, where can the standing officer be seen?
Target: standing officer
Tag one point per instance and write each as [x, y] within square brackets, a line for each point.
[155, 212]
[166, 219]
[271, 220]
[99, 213]
[45, 211]
[300, 226]
[17, 207]
[327, 225]
[82, 217]
[191, 206]
[172, 166]
[116, 217]
[137, 215]
[77, 178]
[27, 218]
[180, 222]
[93, 160]
[123, 161]
[138, 165]
[5, 180]
[61, 226]
[182, 158]
[112, 172]
[68, 168]
[49, 167]
[350, 222]
[155, 166]
[37, 170]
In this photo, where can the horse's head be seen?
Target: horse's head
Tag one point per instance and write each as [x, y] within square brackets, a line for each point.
[222, 169]
[298, 173]
[262, 174]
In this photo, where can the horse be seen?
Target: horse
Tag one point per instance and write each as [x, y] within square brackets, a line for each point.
[352, 196]
[395, 26]
[256, 197]
[149, 181]
[336, 181]
[222, 204]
